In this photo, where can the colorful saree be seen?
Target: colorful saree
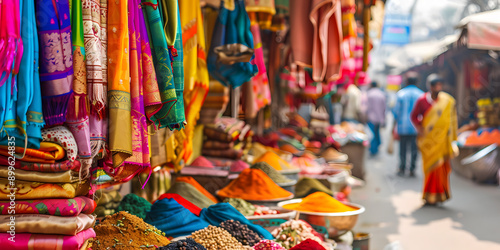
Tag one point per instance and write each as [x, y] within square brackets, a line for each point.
[440, 126]
[120, 122]
[48, 224]
[78, 118]
[25, 118]
[27, 241]
[195, 72]
[29, 190]
[56, 63]
[57, 207]
[11, 45]
[162, 62]
[48, 153]
[59, 166]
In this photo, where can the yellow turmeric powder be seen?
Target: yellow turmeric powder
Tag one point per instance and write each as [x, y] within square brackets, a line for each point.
[274, 161]
[320, 202]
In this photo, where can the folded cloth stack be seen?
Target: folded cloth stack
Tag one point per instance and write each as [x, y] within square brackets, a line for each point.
[227, 138]
[215, 103]
[50, 206]
[108, 199]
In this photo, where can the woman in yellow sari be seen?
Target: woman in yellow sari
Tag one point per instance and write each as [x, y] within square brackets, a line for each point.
[435, 118]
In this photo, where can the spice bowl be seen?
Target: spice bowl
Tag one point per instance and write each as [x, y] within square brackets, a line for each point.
[335, 223]
[290, 186]
[292, 174]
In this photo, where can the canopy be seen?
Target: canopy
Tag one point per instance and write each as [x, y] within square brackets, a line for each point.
[482, 30]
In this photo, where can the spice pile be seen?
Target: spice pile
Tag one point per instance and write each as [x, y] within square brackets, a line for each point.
[187, 244]
[216, 238]
[293, 232]
[306, 186]
[254, 185]
[125, 231]
[135, 205]
[309, 244]
[272, 173]
[241, 232]
[245, 208]
[268, 245]
[320, 202]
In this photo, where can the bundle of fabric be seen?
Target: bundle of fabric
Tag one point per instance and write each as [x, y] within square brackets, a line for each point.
[215, 103]
[108, 200]
[226, 139]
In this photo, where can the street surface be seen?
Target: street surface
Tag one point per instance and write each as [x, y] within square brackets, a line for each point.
[395, 215]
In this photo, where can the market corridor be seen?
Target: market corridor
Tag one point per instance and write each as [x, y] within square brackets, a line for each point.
[468, 221]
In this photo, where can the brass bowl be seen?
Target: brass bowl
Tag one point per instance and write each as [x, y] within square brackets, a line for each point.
[335, 223]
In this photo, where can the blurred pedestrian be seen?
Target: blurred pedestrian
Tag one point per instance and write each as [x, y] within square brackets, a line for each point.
[435, 118]
[405, 102]
[375, 111]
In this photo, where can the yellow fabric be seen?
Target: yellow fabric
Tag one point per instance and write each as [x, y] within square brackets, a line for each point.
[27, 190]
[197, 143]
[440, 130]
[120, 122]
[195, 75]
[24, 175]
[48, 153]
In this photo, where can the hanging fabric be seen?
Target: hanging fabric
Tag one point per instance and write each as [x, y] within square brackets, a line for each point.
[120, 125]
[56, 64]
[231, 48]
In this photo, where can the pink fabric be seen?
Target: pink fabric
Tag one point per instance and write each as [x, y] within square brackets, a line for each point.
[27, 241]
[260, 82]
[11, 45]
[58, 207]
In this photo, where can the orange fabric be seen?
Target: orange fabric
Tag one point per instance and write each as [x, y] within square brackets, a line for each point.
[48, 153]
[254, 185]
[274, 161]
[436, 185]
[194, 183]
[320, 202]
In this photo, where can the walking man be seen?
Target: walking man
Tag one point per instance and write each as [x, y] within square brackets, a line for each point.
[405, 101]
[435, 118]
[376, 105]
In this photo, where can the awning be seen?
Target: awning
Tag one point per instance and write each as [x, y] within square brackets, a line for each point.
[482, 30]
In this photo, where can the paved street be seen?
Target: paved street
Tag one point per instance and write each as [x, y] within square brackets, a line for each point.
[469, 221]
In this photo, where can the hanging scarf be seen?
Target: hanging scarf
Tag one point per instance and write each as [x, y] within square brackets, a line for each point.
[120, 125]
[28, 106]
[151, 93]
[140, 154]
[171, 19]
[231, 48]
[162, 62]
[56, 64]
[11, 45]
[78, 119]
[195, 71]
[96, 87]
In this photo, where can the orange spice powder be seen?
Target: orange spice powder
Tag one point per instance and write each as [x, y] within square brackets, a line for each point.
[274, 161]
[194, 183]
[254, 185]
[320, 202]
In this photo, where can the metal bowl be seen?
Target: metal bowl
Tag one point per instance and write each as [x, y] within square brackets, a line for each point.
[335, 223]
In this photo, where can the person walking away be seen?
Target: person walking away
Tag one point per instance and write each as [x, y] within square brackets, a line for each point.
[435, 119]
[375, 113]
[405, 102]
[352, 104]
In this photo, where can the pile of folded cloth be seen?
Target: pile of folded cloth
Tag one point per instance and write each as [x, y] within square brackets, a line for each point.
[108, 199]
[227, 138]
[47, 194]
[215, 103]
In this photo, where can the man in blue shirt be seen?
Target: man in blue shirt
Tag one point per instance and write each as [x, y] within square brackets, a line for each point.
[406, 99]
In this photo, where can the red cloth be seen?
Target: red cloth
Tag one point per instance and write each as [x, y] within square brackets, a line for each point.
[183, 202]
[421, 107]
[308, 245]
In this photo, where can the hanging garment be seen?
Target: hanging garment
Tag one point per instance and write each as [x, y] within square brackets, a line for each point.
[171, 22]
[140, 147]
[11, 45]
[231, 48]
[25, 118]
[56, 63]
[316, 35]
[78, 118]
[162, 62]
[152, 98]
[263, 11]
[120, 122]
[195, 73]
